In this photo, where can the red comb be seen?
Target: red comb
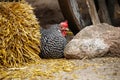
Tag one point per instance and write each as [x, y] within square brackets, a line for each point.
[65, 24]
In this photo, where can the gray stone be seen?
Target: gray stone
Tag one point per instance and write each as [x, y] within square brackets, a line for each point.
[94, 41]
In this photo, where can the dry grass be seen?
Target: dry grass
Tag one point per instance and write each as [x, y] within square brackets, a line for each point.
[19, 34]
[45, 68]
[106, 68]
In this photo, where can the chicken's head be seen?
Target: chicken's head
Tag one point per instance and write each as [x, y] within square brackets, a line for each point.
[64, 27]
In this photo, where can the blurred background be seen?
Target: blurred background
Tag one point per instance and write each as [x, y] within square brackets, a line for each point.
[48, 11]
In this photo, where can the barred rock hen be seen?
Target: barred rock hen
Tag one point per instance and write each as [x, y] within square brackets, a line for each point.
[53, 40]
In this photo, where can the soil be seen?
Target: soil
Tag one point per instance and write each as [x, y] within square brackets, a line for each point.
[105, 68]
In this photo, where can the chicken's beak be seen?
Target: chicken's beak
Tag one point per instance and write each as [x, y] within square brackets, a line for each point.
[67, 29]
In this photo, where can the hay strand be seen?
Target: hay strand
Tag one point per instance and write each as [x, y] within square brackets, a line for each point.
[19, 34]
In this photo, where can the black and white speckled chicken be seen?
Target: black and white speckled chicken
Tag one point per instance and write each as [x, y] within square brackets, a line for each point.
[53, 41]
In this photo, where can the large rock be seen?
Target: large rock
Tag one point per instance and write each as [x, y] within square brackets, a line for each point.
[94, 41]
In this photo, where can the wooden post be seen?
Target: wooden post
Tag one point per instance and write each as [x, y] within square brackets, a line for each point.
[104, 16]
[111, 9]
[93, 12]
[117, 10]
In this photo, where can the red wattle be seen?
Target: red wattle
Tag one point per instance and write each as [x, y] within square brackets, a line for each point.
[64, 33]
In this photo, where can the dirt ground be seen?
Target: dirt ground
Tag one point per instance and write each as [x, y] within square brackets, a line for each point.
[106, 68]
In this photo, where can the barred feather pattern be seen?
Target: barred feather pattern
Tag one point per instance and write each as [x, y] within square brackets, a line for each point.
[52, 42]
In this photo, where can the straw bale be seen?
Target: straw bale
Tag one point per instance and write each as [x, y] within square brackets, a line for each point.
[11, 0]
[19, 34]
